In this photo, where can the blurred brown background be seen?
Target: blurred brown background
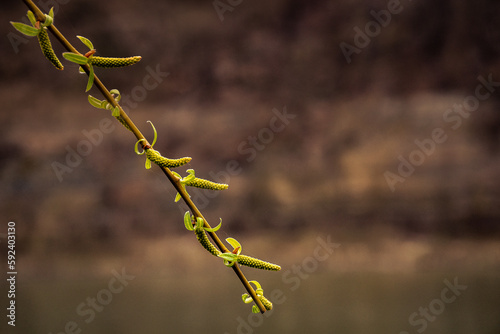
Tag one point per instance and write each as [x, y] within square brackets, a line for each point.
[324, 173]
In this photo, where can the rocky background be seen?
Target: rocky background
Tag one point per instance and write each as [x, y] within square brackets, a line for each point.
[372, 124]
[357, 100]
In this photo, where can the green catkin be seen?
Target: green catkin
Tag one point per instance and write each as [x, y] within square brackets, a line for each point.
[205, 184]
[160, 160]
[110, 62]
[205, 242]
[43, 39]
[266, 302]
[256, 263]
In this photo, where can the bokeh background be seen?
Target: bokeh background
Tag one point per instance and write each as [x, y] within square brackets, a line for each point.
[320, 180]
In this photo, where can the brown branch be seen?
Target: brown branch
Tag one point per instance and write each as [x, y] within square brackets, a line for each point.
[40, 16]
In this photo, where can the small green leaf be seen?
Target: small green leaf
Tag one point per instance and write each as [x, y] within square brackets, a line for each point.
[95, 102]
[87, 42]
[51, 13]
[117, 93]
[116, 112]
[233, 242]
[75, 58]
[25, 29]
[190, 177]
[91, 78]
[255, 309]
[187, 221]
[155, 134]
[48, 21]
[136, 147]
[257, 285]
[148, 163]
[177, 197]
[229, 257]
[31, 17]
[214, 229]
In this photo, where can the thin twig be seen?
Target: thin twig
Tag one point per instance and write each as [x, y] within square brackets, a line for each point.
[172, 178]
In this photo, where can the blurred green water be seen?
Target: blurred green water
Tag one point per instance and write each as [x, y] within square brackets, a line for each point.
[322, 302]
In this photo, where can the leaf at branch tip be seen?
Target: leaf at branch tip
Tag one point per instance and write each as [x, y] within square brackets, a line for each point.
[31, 17]
[187, 221]
[25, 29]
[91, 78]
[51, 13]
[87, 42]
[75, 58]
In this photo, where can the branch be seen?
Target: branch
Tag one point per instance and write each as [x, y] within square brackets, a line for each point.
[40, 16]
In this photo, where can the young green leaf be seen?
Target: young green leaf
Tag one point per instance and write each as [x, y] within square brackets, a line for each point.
[91, 78]
[188, 222]
[116, 112]
[31, 17]
[25, 29]
[87, 42]
[117, 93]
[235, 243]
[214, 229]
[48, 21]
[75, 58]
[99, 104]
